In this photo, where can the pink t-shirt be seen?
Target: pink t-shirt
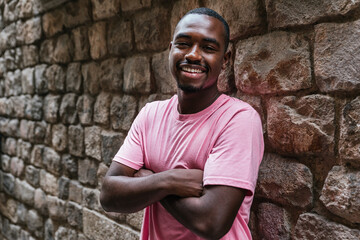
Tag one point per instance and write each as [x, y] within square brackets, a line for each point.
[224, 140]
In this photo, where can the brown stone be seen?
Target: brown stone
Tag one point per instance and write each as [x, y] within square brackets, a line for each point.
[28, 32]
[40, 202]
[335, 67]
[51, 108]
[180, 8]
[30, 55]
[76, 141]
[102, 108]
[160, 67]
[55, 75]
[77, 12]
[27, 81]
[137, 75]
[122, 112]
[81, 43]
[302, 12]
[110, 144]
[52, 160]
[59, 137]
[97, 39]
[243, 17]
[75, 192]
[26, 8]
[84, 108]
[68, 112]
[11, 12]
[274, 222]
[57, 208]
[73, 78]
[263, 66]
[313, 226]
[93, 142]
[349, 141]
[285, 181]
[91, 198]
[48, 183]
[130, 5]
[341, 193]
[226, 79]
[152, 29]
[13, 83]
[53, 22]
[302, 125]
[119, 37]
[105, 9]
[112, 74]
[8, 37]
[91, 73]
[63, 49]
[47, 50]
[87, 172]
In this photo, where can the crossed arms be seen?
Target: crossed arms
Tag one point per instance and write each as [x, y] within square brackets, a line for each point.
[207, 211]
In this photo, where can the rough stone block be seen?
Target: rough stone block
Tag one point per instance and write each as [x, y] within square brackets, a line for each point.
[296, 13]
[63, 49]
[32, 175]
[68, 113]
[37, 155]
[341, 193]
[57, 208]
[29, 31]
[84, 108]
[8, 184]
[63, 188]
[130, 5]
[8, 209]
[77, 12]
[349, 145]
[13, 83]
[263, 66]
[102, 108]
[274, 222]
[73, 78]
[87, 172]
[59, 137]
[97, 226]
[65, 233]
[122, 112]
[70, 166]
[119, 37]
[105, 9]
[53, 22]
[244, 17]
[40, 201]
[34, 108]
[41, 85]
[52, 161]
[137, 75]
[26, 8]
[48, 183]
[81, 43]
[51, 108]
[74, 214]
[91, 199]
[5, 163]
[6, 107]
[313, 226]
[46, 53]
[135, 219]
[90, 73]
[27, 81]
[97, 39]
[8, 37]
[160, 67]
[11, 12]
[101, 172]
[13, 128]
[226, 79]
[24, 192]
[19, 103]
[152, 29]
[30, 55]
[75, 192]
[10, 147]
[110, 144]
[49, 231]
[13, 59]
[112, 74]
[302, 125]
[56, 76]
[34, 223]
[25, 126]
[334, 41]
[38, 134]
[24, 150]
[17, 166]
[180, 8]
[93, 142]
[21, 212]
[285, 182]
[76, 140]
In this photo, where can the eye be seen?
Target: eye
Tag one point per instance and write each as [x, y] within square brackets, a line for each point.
[209, 48]
[182, 44]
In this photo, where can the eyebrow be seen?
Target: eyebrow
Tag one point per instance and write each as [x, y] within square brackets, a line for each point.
[211, 40]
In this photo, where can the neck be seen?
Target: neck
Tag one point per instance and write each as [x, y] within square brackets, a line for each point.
[195, 102]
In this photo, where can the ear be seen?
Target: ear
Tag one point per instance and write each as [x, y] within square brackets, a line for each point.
[226, 59]
[170, 45]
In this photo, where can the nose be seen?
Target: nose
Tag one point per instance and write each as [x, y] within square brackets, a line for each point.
[194, 55]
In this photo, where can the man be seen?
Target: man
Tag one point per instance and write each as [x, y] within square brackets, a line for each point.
[192, 160]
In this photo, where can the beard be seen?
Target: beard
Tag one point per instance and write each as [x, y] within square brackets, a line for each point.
[188, 88]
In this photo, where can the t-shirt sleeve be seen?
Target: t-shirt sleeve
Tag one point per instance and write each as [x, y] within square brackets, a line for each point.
[237, 153]
[131, 152]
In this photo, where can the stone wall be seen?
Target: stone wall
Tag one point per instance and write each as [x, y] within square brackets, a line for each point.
[74, 76]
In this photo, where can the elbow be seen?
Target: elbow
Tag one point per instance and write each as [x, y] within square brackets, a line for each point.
[211, 229]
[105, 200]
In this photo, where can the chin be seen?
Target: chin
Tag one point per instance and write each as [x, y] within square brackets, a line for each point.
[189, 88]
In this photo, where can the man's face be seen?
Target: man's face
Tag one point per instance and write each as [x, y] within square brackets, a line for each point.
[197, 52]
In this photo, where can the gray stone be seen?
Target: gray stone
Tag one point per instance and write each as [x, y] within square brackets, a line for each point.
[101, 172]
[112, 74]
[65, 233]
[13, 83]
[32, 175]
[122, 112]
[10, 147]
[119, 37]
[40, 201]
[38, 133]
[8, 182]
[48, 183]
[25, 126]
[75, 192]
[87, 172]
[41, 84]
[77, 13]
[97, 226]
[81, 43]
[97, 39]
[12, 232]
[313, 226]
[285, 182]
[341, 193]
[296, 13]
[37, 155]
[90, 73]
[13, 128]
[52, 161]
[17, 166]
[336, 56]
[30, 55]
[24, 192]
[6, 107]
[11, 12]
[303, 125]
[19, 103]
[74, 214]
[49, 230]
[84, 108]
[91, 199]
[128, 5]
[76, 140]
[53, 22]
[29, 31]
[27, 81]
[160, 67]
[46, 53]
[70, 166]
[102, 108]
[34, 108]
[68, 113]
[64, 188]
[152, 29]
[59, 137]
[73, 78]
[110, 144]
[263, 66]
[8, 37]
[93, 142]
[135, 219]
[26, 8]
[8, 209]
[21, 212]
[349, 141]
[5, 163]
[105, 9]
[13, 58]
[137, 75]
[56, 76]
[24, 150]
[57, 208]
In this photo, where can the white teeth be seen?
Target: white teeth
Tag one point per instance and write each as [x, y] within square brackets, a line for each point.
[191, 70]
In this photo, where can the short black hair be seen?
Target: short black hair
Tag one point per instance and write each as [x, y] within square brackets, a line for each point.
[212, 13]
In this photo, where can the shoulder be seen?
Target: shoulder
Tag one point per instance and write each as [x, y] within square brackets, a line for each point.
[234, 107]
[159, 107]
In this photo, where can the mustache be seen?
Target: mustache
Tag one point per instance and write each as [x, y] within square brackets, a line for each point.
[192, 63]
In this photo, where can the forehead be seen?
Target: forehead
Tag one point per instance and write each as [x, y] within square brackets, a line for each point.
[201, 24]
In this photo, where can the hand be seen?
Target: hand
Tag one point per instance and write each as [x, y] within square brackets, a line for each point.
[143, 172]
[187, 182]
